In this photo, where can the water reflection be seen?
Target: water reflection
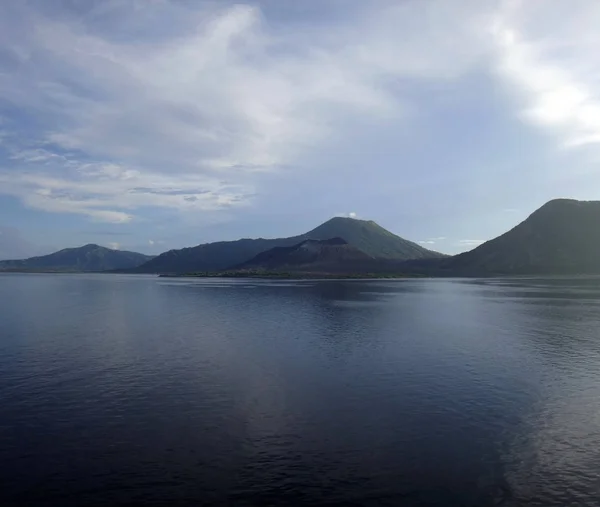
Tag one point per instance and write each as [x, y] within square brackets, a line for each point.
[126, 390]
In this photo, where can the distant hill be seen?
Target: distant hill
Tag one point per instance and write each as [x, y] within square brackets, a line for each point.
[562, 237]
[85, 258]
[367, 236]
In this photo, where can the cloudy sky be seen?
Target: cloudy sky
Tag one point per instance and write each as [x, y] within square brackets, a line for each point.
[156, 124]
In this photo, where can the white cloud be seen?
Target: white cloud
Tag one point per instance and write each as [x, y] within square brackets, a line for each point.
[191, 106]
[190, 118]
[110, 193]
[471, 242]
[114, 246]
[432, 241]
[550, 53]
[348, 214]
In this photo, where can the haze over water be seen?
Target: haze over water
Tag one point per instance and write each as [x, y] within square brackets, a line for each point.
[125, 390]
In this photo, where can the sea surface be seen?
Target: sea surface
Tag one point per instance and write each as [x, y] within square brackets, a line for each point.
[123, 390]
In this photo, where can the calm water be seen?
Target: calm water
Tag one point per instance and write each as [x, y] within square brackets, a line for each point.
[118, 390]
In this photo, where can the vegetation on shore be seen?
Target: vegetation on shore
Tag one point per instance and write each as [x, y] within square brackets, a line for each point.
[290, 275]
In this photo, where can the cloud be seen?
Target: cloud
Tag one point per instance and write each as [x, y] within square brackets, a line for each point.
[349, 214]
[471, 242]
[191, 114]
[110, 193]
[550, 55]
[432, 241]
[128, 112]
[114, 246]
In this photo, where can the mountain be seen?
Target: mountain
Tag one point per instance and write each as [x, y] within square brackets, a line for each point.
[562, 237]
[311, 255]
[85, 258]
[371, 238]
[367, 236]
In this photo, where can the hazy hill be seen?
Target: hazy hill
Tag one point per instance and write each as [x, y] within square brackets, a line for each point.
[86, 258]
[367, 236]
[562, 237]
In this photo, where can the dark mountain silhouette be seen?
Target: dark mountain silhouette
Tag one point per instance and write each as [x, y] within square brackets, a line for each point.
[562, 237]
[86, 258]
[367, 236]
[315, 256]
[371, 238]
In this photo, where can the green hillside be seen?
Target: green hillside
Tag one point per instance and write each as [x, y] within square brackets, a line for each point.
[366, 236]
[562, 237]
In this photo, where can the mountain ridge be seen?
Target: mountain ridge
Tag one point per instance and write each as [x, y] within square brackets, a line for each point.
[87, 258]
[560, 237]
[367, 236]
[311, 255]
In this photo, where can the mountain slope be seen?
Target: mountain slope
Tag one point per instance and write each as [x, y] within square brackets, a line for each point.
[316, 256]
[562, 237]
[364, 235]
[86, 258]
[211, 256]
[371, 238]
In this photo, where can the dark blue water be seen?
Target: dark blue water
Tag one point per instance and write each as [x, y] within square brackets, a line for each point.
[119, 391]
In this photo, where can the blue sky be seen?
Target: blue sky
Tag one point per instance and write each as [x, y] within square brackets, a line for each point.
[158, 124]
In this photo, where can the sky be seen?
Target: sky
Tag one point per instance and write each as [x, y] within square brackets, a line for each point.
[149, 125]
